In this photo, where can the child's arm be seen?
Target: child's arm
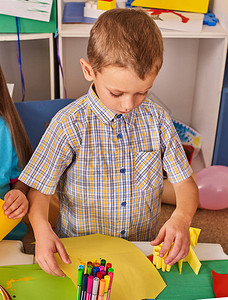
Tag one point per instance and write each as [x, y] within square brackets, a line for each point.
[47, 242]
[176, 229]
[16, 202]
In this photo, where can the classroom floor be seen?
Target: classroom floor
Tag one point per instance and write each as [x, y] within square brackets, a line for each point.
[213, 224]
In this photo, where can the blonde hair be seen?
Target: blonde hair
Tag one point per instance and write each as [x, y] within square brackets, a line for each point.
[128, 38]
[10, 115]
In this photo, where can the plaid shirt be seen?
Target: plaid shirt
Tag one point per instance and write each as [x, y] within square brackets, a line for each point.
[108, 168]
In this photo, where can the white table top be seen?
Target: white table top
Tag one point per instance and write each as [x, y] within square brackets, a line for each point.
[11, 252]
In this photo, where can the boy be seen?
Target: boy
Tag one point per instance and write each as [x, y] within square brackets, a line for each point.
[107, 150]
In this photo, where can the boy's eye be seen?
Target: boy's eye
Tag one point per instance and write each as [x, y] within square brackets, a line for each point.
[143, 94]
[116, 95]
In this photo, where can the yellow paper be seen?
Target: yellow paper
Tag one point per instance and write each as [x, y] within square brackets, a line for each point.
[194, 235]
[6, 224]
[159, 261]
[134, 278]
[198, 6]
[193, 261]
[191, 258]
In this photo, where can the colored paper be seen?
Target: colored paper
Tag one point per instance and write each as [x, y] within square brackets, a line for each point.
[134, 276]
[27, 282]
[191, 258]
[198, 6]
[176, 20]
[220, 284]
[188, 286]
[6, 224]
[36, 10]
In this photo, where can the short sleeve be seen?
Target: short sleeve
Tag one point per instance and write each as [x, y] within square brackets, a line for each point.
[50, 159]
[175, 162]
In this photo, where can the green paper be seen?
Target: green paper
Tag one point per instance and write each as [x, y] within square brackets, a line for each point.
[33, 283]
[47, 287]
[189, 286]
[8, 24]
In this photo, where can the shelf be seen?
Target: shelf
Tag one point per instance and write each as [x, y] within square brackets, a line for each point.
[83, 30]
[33, 41]
[189, 83]
[4, 37]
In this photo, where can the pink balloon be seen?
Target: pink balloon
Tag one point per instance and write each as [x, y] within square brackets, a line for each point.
[213, 187]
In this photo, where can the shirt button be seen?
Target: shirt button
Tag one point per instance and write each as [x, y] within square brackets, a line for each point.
[124, 203]
[119, 136]
[122, 170]
[119, 116]
[122, 232]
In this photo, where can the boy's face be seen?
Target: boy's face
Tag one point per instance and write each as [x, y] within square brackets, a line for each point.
[120, 89]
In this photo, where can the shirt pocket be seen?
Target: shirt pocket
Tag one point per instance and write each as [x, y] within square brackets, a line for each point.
[148, 167]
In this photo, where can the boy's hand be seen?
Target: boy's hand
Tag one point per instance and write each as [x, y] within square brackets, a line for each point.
[16, 204]
[47, 243]
[175, 231]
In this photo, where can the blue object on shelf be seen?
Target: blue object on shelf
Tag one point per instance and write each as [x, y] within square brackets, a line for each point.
[74, 13]
[128, 3]
[220, 156]
[210, 19]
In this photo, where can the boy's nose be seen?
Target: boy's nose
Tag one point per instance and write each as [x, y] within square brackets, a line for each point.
[128, 105]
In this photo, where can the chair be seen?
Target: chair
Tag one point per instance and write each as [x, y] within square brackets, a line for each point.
[36, 115]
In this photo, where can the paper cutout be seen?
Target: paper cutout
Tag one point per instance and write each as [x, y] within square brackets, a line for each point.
[220, 284]
[134, 276]
[191, 258]
[6, 224]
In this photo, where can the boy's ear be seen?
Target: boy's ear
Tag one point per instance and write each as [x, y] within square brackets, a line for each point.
[87, 70]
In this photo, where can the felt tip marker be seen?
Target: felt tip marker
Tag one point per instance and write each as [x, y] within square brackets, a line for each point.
[103, 262]
[89, 269]
[110, 274]
[79, 287]
[99, 275]
[108, 265]
[95, 288]
[89, 287]
[84, 287]
[101, 289]
[107, 281]
[95, 270]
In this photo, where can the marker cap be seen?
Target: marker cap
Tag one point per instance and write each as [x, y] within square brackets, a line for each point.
[102, 287]
[99, 275]
[102, 268]
[103, 262]
[84, 285]
[89, 269]
[80, 276]
[110, 274]
[108, 265]
[107, 280]
[95, 270]
[89, 284]
[95, 285]
[111, 270]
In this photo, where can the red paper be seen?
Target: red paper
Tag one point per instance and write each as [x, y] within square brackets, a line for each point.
[220, 284]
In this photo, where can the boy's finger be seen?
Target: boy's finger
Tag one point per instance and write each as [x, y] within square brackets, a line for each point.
[166, 245]
[63, 254]
[159, 238]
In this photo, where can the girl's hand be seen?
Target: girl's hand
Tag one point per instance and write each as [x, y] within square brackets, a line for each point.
[16, 204]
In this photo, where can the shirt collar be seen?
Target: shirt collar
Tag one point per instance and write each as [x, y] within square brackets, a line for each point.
[104, 113]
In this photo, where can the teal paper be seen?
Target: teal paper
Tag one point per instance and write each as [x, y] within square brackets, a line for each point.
[8, 24]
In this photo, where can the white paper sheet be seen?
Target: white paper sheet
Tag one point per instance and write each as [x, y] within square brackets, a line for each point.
[30, 9]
